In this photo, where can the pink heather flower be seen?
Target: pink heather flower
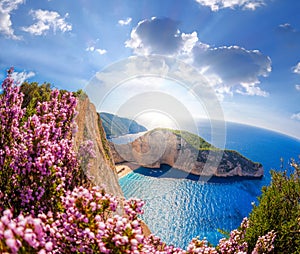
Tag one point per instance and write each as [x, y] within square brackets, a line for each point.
[49, 246]
[8, 213]
[134, 242]
[264, 243]
[41, 146]
[8, 234]
[135, 223]
[139, 238]
[5, 220]
[12, 244]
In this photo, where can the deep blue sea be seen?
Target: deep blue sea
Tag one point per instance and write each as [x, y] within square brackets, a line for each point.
[179, 209]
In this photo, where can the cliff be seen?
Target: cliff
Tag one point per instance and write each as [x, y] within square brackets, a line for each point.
[102, 167]
[184, 151]
[116, 126]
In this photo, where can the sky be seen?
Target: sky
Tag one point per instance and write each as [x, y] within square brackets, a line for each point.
[248, 52]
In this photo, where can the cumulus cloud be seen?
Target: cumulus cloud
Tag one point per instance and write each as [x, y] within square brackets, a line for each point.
[296, 69]
[296, 116]
[155, 36]
[215, 5]
[188, 43]
[125, 22]
[6, 7]
[234, 65]
[20, 77]
[297, 87]
[230, 69]
[46, 20]
[100, 51]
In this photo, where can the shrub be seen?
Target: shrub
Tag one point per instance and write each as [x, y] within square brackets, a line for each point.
[278, 210]
[37, 163]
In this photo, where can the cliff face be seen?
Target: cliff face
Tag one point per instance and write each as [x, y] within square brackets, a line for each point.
[102, 169]
[162, 146]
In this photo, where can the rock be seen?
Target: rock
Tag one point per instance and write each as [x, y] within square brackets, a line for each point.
[102, 167]
[178, 149]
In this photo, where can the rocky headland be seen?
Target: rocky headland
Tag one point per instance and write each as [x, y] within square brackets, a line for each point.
[184, 151]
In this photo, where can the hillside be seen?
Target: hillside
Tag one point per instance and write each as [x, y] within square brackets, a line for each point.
[117, 126]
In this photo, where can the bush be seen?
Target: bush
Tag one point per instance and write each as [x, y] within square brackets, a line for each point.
[278, 210]
[37, 163]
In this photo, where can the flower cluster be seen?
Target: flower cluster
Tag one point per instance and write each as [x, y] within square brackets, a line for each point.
[89, 224]
[22, 233]
[200, 246]
[235, 243]
[37, 162]
[264, 243]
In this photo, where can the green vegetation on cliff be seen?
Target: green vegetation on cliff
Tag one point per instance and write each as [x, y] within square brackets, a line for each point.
[117, 126]
[278, 210]
[194, 140]
[200, 143]
[104, 140]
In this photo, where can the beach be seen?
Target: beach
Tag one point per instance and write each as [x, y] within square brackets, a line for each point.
[125, 168]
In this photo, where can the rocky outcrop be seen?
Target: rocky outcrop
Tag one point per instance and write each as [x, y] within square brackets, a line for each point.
[101, 168]
[164, 146]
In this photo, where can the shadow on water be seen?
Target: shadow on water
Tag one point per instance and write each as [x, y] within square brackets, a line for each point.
[166, 171]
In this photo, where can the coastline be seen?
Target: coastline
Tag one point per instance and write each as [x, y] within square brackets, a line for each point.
[125, 168]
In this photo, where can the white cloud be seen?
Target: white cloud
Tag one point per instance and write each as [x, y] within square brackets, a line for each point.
[297, 87]
[296, 69]
[91, 48]
[229, 69]
[155, 36]
[20, 77]
[296, 116]
[6, 7]
[286, 26]
[252, 89]
[234, 65]
[100, 51]
[215, 5]
[125, 22]
[136, 43]
[189, 41]
[46, 20]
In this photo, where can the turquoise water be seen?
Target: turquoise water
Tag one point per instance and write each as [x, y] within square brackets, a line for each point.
[179, 209]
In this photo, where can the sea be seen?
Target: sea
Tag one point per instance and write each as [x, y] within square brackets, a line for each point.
[179, 208]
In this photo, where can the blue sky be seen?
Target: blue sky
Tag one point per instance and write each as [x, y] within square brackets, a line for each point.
[248, 50]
